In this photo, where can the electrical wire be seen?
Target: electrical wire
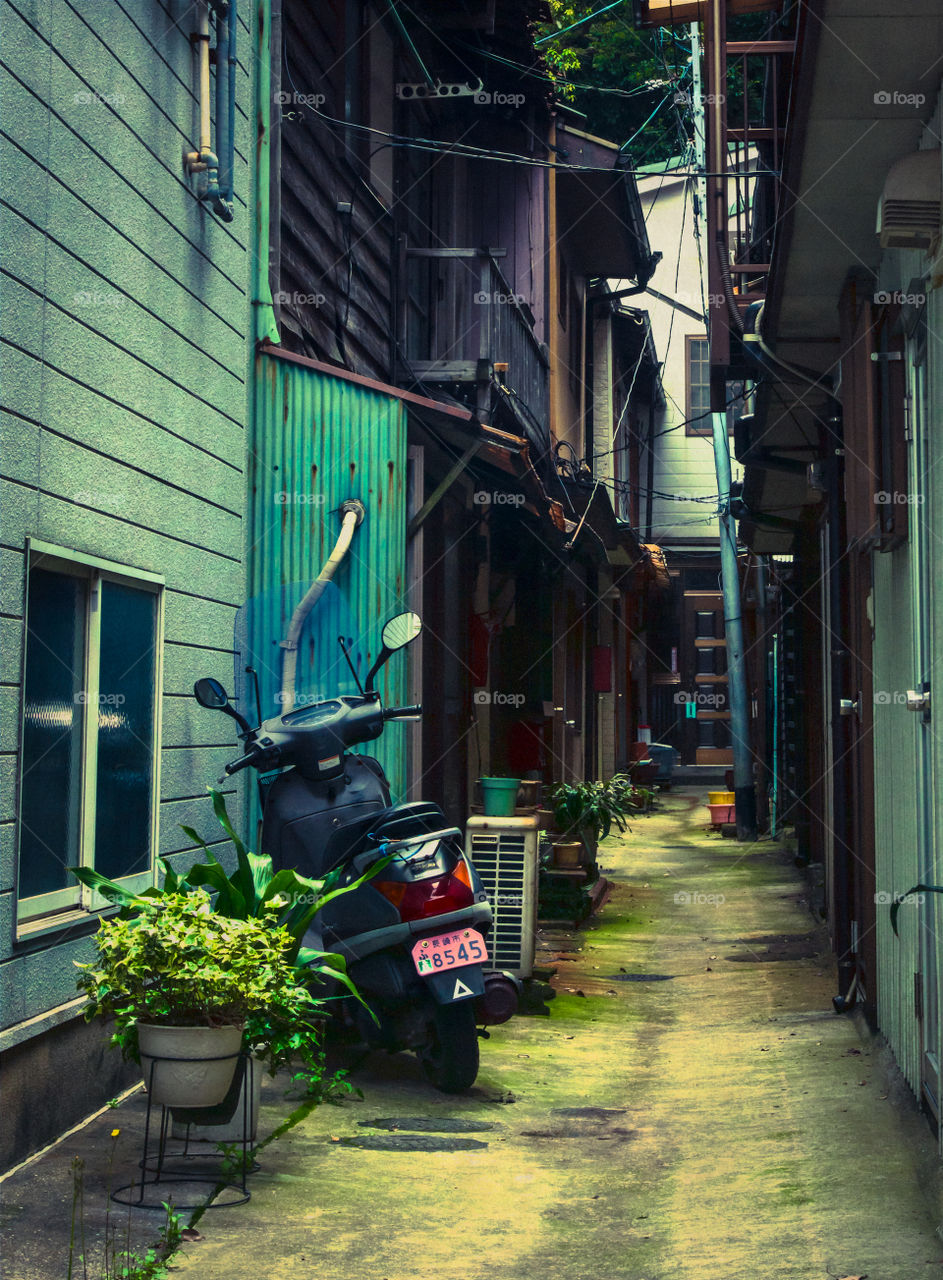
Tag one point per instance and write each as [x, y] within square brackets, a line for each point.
[563, 30]
[462, 150]
[548, 77]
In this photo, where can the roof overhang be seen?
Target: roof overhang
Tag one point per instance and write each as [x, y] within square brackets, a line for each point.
[596, 535]
[666, 13]
[599, 213]
[862, 93]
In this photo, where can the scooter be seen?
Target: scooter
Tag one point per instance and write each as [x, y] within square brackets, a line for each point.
[415, 935]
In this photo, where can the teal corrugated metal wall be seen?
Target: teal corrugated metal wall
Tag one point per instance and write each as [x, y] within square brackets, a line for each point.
[316, 440]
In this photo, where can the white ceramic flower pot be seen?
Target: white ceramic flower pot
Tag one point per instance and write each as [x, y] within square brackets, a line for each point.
[231, 1131]
[192, 1066]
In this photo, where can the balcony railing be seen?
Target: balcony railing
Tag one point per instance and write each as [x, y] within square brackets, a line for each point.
[459, 318]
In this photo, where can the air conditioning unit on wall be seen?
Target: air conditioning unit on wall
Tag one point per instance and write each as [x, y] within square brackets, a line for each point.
[505, 852]
[909, 210]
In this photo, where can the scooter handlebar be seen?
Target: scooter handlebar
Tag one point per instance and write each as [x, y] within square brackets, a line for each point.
[243, 762]
[403, 713]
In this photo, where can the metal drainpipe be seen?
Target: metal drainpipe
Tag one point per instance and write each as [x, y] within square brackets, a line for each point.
[354, 513]
[841, 736]
[204, 162]
[264, 326]
[651, 465]
[226, 23]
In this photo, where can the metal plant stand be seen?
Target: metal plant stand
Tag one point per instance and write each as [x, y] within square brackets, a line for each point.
[156, 1163]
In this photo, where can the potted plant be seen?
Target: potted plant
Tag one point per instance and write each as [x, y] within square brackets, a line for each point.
[183, 982]
[586, 812]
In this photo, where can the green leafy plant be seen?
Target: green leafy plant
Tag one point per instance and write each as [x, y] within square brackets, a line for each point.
[589, 810]
[284, 901]
[176, 961]
[253, 891]
[632, 797]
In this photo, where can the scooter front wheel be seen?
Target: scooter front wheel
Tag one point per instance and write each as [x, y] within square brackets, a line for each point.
[450, 1060]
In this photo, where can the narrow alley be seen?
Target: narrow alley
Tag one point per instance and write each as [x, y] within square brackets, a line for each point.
[691, 1109]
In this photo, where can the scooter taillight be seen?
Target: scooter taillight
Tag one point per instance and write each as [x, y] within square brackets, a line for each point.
[419, 899]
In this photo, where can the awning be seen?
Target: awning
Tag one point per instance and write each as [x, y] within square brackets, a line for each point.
[859, 102]
[598, 535]
[599, 214]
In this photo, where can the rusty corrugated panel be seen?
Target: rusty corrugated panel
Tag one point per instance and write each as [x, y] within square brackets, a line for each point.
[316, 440]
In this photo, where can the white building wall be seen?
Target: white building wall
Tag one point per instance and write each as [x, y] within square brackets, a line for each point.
[684, 464]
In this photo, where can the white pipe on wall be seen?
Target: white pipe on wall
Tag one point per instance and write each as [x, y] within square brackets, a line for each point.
[353, 515]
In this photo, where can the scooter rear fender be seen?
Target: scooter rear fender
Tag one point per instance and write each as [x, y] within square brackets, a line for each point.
[478, 916]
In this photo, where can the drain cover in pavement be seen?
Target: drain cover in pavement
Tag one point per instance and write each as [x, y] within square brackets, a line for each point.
[411, 1142]
[640, 977]
[427, 1124]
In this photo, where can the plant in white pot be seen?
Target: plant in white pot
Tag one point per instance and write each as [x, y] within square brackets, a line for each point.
[188, 988]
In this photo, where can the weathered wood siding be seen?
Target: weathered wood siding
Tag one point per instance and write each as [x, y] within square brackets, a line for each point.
[335, 273]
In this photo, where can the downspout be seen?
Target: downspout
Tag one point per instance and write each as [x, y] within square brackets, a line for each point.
[264, 326]
[774, 792]
[226, 24]
[204, 162]
[354, 513]
[651, 466]
[841, 736]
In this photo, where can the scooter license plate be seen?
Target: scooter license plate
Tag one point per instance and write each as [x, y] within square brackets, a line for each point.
[449, 951]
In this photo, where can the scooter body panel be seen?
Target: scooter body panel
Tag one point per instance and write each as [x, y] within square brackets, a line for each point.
[310, 826]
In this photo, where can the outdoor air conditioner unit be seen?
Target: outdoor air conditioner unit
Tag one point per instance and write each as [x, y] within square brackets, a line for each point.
[910, 206]
[504, 852]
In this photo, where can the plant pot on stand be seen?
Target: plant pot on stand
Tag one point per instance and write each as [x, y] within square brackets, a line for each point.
[188, 1066]
[232, 1119]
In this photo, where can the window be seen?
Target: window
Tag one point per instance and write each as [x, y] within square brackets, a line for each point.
[88, 762]
[699, 391]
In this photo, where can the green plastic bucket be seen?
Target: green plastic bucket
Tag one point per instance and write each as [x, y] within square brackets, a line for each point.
[498, 796]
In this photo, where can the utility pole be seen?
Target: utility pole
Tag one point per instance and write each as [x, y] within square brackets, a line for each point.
[743, 784]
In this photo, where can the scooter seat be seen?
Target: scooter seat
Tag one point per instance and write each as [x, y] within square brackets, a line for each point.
[402, 820]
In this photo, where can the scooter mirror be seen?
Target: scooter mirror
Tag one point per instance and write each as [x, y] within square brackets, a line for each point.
[401, 631]
[211, 694]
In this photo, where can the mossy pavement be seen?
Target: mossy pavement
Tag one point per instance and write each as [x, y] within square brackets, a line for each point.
[691, 1109]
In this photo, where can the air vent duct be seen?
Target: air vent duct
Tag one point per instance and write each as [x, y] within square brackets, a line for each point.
[909, 209]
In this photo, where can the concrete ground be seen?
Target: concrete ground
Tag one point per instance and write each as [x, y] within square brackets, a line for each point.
[692, 1109]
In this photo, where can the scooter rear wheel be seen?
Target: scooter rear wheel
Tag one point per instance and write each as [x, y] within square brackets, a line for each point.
[450, 1061]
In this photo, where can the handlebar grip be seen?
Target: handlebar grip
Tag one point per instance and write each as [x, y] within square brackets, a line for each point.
[403, 713]
[249, 758]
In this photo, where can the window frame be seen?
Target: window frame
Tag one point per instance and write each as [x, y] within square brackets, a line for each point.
[690, 426]
[44, 912]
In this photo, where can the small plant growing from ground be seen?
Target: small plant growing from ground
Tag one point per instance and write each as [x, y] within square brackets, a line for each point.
[116, 1259]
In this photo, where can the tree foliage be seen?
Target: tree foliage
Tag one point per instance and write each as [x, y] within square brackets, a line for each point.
[632, 84]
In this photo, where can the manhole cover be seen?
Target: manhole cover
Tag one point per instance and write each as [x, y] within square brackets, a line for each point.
[640, 977]
[427, 1124]
[411, 1142]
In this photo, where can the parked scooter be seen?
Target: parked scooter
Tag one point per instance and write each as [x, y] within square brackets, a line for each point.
[415, 935]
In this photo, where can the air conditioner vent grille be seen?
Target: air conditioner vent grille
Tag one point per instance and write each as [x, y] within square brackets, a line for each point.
[506, 861]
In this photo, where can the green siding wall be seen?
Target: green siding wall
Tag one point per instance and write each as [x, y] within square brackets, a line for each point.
[124, 364]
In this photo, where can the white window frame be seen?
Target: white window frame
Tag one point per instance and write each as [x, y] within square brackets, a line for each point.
[63, 906]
